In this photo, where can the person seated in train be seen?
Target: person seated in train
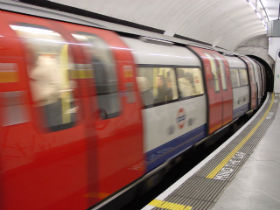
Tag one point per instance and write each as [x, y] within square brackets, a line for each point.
[46, 87]
[186, 86]
[160, 87]
[164, 91]
[169, 92]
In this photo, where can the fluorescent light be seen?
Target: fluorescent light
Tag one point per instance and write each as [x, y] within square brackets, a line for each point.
[252, 5]
[259, 15]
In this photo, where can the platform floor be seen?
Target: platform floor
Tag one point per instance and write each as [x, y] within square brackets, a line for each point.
[243, 173]
[257, 185]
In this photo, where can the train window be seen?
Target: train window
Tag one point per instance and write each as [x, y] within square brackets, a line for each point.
[234, 78]
[49, 62]
[214, 72]
[243, 77]
[223, 74]
[105, 74]
[190, 82]
[157, 85]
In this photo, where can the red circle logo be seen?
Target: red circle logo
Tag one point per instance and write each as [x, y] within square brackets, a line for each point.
[181, 118]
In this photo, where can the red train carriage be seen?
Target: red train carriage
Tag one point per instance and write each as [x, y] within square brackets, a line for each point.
[65, 139]
[216, 73]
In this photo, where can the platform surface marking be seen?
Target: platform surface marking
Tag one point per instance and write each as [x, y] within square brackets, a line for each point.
[219, 167]
[169, 205]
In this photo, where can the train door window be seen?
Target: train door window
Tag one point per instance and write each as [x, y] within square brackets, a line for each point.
[190, 82]
[104, 74]
[223, 74]
[157, 85]
[243, 77]
[234, 78]
[214, 72]
[49, 62]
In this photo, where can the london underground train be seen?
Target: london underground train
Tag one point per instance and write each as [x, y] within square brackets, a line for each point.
[85, 112]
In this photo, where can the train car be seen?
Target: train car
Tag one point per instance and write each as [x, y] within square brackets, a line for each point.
[256, 70]
[252, 82]
[262, 72]
[219, 88]
[85, 112]
[260, 76]
[174, 101]
[66, 131]
[240, 85]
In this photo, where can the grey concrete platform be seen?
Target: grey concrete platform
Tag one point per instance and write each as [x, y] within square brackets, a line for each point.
[257, 185]
[243, 173]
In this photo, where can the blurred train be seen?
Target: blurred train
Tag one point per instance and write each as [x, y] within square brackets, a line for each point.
[85, 112]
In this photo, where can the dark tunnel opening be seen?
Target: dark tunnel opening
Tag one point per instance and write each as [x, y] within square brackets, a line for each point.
[269, 73]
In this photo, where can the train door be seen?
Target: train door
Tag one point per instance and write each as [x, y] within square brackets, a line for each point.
[48, 168]
[227, 94]
[13, 116]
[252, 81]
[214, 92]
[120, 155]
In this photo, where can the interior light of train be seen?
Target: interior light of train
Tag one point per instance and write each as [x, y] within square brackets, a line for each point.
[33, 30]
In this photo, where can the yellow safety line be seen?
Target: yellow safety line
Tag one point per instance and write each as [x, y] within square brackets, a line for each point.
[213, 173]
[169, 205]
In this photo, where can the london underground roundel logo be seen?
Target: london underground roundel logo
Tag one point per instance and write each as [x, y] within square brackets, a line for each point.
[181, 118]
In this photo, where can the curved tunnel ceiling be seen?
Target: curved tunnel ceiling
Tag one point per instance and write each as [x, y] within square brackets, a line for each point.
[223, 23]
